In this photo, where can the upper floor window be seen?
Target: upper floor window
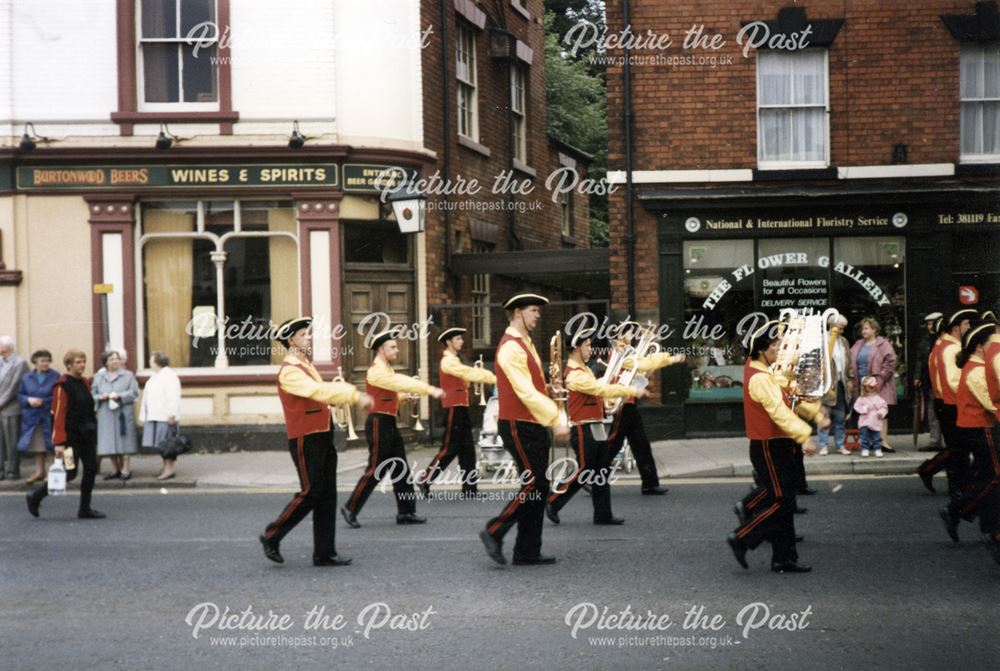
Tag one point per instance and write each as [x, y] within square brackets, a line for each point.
[520, 125]
[792, 109]
[980, 96]
[178, 55]
[481, 301]
[465, 71]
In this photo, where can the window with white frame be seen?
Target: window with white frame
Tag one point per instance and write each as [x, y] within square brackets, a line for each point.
[792, 109]
[481, 301]
[980, 96]
[178, 54]
[566, 212]
[216, 275]
[465, 69]
[520, 125]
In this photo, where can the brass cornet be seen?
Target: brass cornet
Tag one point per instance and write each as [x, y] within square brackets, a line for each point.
[479, 388]
[559, 392]
[414, 401]
[342, 413]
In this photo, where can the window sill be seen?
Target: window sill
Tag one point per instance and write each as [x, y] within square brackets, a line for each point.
[525, 168]
[568, 240]
[520, 9]
[175, 117]
[472, 145]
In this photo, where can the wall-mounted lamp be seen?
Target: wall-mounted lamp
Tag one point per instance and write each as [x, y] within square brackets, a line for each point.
[166, 139]
[296, 140]
[31, 139]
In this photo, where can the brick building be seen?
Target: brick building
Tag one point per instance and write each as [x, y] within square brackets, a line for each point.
[814, 154]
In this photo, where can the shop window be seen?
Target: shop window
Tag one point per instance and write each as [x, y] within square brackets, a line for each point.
[520, 125]
[792, 109]
[375, 242]
[183, 246]
[481, 301]
[178, 54]
[465, 71]
[980, 96]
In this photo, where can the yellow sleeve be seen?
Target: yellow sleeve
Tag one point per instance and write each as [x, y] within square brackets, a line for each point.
[809, 411]
[765, 391]
[452, 366]
[386, 379]
[647, 364]
[296, 382]
[952, 373]
[513, 361]
[977, 385]
[579, 381]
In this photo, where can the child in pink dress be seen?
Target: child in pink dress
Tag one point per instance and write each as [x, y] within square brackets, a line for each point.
[871, 409]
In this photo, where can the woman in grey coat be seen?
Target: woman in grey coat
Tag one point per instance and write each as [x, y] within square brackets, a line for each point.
[115, 391]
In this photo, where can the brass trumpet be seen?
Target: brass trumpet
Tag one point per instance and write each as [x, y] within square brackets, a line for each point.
[414, 401]
[479, 388]
[559, 393]
[342, 413]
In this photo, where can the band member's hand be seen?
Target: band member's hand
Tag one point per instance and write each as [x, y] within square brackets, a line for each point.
[682, 357]
[824, 422]
[437, 392]
[60, 451]
[34, 402]
[641, 393]
[171, 420]
[809, 447]
[561, 432]
[365, 401]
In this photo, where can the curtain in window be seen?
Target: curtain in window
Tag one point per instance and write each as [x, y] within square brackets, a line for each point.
[980, 93]
[792, 92]
[168, 279]
[284, 270]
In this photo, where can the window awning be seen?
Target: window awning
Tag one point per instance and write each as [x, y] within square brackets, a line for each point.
[584, 270]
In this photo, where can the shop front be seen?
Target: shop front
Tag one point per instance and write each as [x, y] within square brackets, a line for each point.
[729, 264]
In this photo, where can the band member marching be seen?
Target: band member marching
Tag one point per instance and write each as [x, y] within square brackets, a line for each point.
[974, 430]
[991, 359]
[628, 421]
[945, 376]
[454, 377]
[586, 416]
[385, 444]
[306, 400]
[525, 415]
[774, 430]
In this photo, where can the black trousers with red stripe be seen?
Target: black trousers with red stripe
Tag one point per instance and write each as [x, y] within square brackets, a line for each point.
[978, 498]
[593, 466]
[528, 443]
[457, 442]
[386, 459]
[315, 462]
[954, 457]
[628, 424]
[773, 502]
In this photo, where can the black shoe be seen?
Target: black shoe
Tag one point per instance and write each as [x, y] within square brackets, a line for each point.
[350, 517]
[551, 513]
[332, 560]
[886, 448]
[494, 548]
[928, 480]
[739, 549]
[33, 501]
[112, 476]
[533, 561]
[799, 510]
[425, 490]
[271, 550]
[799, 539]
[126, 476]
[741, 513]
[611, 521]
[805, 491]
[410, 518]
[790, 567]
[91, 514]
[654, 491]
[950, 524]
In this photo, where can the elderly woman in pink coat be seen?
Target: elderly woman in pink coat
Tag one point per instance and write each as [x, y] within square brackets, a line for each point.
[873, 355]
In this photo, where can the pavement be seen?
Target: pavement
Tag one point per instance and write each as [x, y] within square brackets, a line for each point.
[676, 459]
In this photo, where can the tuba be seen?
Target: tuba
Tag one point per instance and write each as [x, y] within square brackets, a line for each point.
[414, 401]
[804, 359]
[479, 388]
[559, 392]
[616, 371]
[342, 413]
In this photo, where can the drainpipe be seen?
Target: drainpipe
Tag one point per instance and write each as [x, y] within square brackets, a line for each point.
[446, 135]
[629, 223]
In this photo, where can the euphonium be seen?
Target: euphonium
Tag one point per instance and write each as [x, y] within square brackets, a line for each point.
[479, 388]
[630, 377]
[804, 357]
[559, 392]
[414, 401]
[342, 413]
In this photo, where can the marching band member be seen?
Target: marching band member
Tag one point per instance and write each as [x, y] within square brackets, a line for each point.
[586, 415]
[526, 413]
[305, 400]
[991, 359]
[454, 377]
[628, 421]
[974, 424]
[774, 431]
[945, 375]
[385, 444]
